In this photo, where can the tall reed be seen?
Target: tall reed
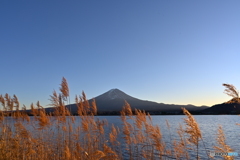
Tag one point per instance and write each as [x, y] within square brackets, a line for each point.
[61, 136]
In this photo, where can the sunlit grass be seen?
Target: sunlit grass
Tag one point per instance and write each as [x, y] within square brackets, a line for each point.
[58, 136]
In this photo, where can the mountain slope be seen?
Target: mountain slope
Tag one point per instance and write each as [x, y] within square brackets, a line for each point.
[114, 99]
[230, 107]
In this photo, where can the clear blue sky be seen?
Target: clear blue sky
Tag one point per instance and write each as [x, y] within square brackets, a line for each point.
[176, 52]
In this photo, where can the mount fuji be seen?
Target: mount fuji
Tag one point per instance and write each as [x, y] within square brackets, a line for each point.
[114, 99]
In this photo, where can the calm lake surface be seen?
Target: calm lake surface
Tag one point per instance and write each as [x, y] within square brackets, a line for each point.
[207, 123]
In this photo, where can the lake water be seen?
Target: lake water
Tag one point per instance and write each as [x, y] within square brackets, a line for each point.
[207, 123]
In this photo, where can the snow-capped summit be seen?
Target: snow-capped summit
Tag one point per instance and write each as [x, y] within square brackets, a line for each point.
[115, 94]
[112, 94]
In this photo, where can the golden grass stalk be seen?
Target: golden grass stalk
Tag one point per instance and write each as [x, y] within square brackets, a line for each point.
[9, 101]
[126, 111]
[231, 90]
[140, 118]
[83, 106]
[67, 153]
[54, 99]
[180, 147]
[38, 105]
[1, 116]
[86, 105]
[2, 101]
[24, 108]
[156, 136]
[113, 135]
[64, 89]
[16, 102]
[34, 111]
[24, 114]
[192, 129]
[94, 107]
[79, 104]
[43, 119]
[108, 153]
[222, 146]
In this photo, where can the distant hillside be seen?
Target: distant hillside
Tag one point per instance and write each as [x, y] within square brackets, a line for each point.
[230, 107]
[114, 99]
